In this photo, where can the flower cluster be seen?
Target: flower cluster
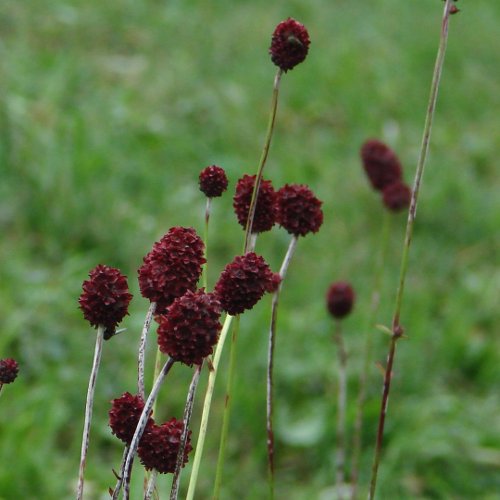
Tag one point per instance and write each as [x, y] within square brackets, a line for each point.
[299, 211]
[190, 328]
[172, 267]
[340, 299]
[265, 208]
[289, 44]
[243, 283]
[124, 416]
[105, 297]
[160, 444]
[9, 369]
[213, 181]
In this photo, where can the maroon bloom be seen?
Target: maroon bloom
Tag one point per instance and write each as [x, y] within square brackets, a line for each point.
[124, 416]
[190, 328]
[381, 164]
[396, 196]
[213, 181]
[172, 267]
[105, 297]
[265, 209]
[289, 44]
[299, 211]
[340, 299]
[160, 444]
[243, 283]
[9, 369]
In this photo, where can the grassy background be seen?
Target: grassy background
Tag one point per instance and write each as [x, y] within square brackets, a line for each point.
[109, 110]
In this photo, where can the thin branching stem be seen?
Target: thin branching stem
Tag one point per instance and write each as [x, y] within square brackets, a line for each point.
[142, 350]
[367, 353]
[397, 330]
[341, 410]
[188, 411]
[212, 375]
[88, 409]
[270, 365]
[205, 237]
[263, 158]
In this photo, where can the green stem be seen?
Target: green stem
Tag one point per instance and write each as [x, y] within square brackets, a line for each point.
[227, 411]
[397, 330]
[142, 350]
[367, 354]
[205, 237]
[263, 158]
[213, 367]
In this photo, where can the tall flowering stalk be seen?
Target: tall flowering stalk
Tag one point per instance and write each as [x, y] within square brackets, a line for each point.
[397, 330]
[104, 303]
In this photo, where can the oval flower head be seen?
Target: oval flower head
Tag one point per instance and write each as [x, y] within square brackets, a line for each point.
[340, 299]
[381, 164]
[289, 44]
[213, 181]
[396, 196]
[8, 370]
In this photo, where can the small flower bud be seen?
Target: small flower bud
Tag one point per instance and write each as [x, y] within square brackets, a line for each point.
[340, 299]
[396, 196]
[9, 369]
[381, 164]
[289, 44]
[213, 181]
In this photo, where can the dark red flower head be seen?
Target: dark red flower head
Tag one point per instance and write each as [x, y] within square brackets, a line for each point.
[172, 267]
[243, 283]
[289, 44]
[190, 328]
[299, 211]
[213, 181]
[396, 196]
[340, 299]
[124, 416]
[160, 444]
[381, 164]
[8, 370]
[265, 210]
[105, 297]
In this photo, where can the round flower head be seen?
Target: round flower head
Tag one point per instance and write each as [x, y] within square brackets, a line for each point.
[160, 444]
[265, 210]
[340, 299]
[289, 44]
[105, 297]
[8, 370]
[396, 196]
[381, 164]
[124, 416]
[213, 181]
[243, 283]
[190, 328]
[299, 211]
[172, 267]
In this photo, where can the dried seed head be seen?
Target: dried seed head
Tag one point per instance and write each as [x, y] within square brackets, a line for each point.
[299, 211]
[289, 44]
[190, 328]
[396, 196]
[213, 181]
[124, 416]
[340, 299]
[160, 444]
[9, 369]
[265, 209]
[381, 164]
[105, 297]
[172, 267]
[243, 283]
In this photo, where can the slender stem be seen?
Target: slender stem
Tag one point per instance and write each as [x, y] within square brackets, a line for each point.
[142, 350]
[341, 410]
[263, 158]
[88, 409]
[207, 220]
[396, 327]
[367, 354]
[151, 485]
[206, 408]
[227, 411]
[188, 411]
[270, 365]
[141, 425]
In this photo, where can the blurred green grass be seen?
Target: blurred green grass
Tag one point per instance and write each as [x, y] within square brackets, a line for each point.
[108, 111]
